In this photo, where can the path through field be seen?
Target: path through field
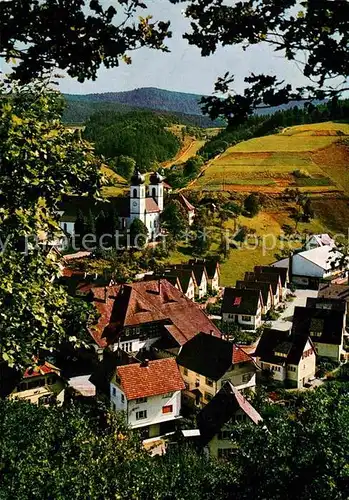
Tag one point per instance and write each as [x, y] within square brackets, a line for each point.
[189, 149]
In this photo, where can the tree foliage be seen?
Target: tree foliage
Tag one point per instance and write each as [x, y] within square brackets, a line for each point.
[313, 34]
[40, 162]
[140, 135]
[78, 37]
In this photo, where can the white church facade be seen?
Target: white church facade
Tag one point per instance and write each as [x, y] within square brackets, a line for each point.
[145, 202]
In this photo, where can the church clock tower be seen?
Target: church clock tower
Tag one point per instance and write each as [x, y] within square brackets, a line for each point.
[137, 197]
[156, 189]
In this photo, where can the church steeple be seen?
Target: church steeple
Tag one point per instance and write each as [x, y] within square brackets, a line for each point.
[156, 189]
[137, 196]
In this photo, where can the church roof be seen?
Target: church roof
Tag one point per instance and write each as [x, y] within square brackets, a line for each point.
[151, 206]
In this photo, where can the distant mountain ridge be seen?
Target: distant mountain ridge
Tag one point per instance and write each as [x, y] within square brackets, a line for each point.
[81, 106]
[147, 97]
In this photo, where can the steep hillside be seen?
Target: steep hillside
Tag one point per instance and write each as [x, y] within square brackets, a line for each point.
[295, 157]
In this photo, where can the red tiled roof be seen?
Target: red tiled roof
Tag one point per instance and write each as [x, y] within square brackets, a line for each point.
[158, 377]
[40, 370]
[145, 302]
[245, 406]
[188, 206]
[68, 273]
[239, 355]
[151, 206]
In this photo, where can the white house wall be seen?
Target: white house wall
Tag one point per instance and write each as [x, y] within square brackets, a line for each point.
[153, 406]
[304, 267]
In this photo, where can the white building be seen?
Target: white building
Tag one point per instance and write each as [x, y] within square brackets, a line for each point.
[145, 202]
[319, 240]
[150, 395]
[320, 263]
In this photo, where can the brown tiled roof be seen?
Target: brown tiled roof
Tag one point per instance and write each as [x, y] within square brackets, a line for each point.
[157, 377]
[185, 203]
[151, 206]
[146, 302]
[329, 291]
[40, 370]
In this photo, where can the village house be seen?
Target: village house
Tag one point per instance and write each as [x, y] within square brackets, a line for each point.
[290, 358]
[273, 279]
[334, 291]
[186, 278]
[243, 307]
[138, 315]
[325, 327]
[41, 384]
[264, 288]
[281, 271]
[207, 362]
[319, 240]
[150, 395]
[188, 207]
[212, 270]
[217, 419]
[200, 275]
[309, 267]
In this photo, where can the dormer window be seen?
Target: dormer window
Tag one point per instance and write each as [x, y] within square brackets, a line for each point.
[281, 354]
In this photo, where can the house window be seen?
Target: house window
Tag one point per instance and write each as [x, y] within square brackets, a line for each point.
[135, 193]
[246, 318]
[113, 406]
[316, 327]
[224, 434]
[114, 391]
[167, 395]
[141, 400]
[167, 409]
[246, 377]
[185, 371]
[240, 418]
[209, 382]
[127, 346]
[208, 396]
[291, 368]
[153, 192]
[141, 414]
[122, 398]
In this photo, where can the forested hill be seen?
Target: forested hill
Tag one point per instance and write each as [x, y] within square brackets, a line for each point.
[149, 97]
[182, 107]
[140, 135]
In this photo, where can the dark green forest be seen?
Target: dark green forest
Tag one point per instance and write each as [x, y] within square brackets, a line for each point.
[140, 135]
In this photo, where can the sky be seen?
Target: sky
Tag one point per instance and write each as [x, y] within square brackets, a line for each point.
[183, 69]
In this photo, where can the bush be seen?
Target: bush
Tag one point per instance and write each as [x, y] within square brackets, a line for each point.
[301, 173]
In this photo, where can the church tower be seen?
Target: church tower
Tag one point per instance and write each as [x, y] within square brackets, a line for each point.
[156, 189]
[137, 197]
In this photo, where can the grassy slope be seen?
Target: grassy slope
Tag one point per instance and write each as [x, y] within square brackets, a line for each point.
[116, 184]
[268, 162]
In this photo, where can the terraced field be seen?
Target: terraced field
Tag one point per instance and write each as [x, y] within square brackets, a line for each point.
[271, 163]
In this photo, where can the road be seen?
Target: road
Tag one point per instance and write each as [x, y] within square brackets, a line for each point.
[285, 320]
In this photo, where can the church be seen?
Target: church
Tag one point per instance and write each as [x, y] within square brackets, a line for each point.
[145, 202]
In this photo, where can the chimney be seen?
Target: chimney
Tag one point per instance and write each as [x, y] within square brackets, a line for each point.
[159, 286]
[105, 293]
[145, 363]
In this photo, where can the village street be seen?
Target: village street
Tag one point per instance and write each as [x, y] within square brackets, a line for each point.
[285, 320]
